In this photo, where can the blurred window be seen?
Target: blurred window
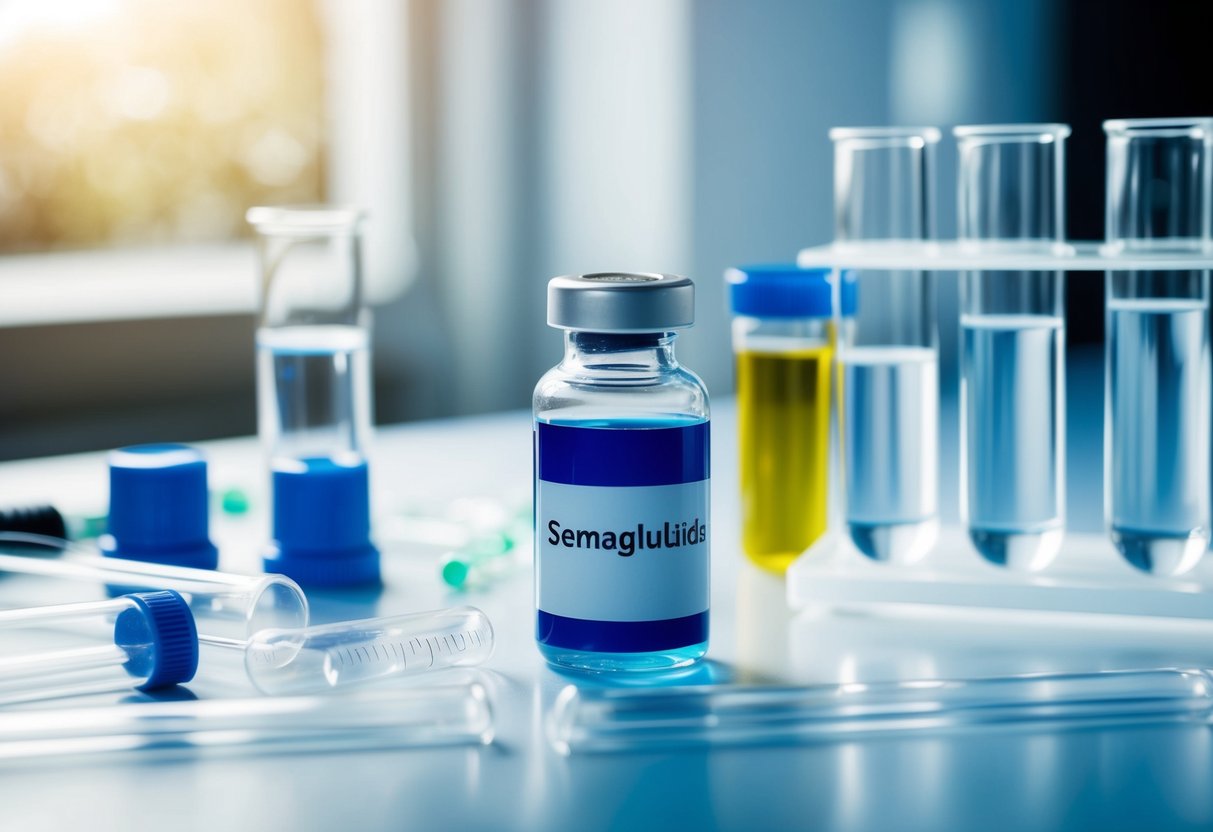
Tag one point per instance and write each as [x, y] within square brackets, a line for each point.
[149, 122]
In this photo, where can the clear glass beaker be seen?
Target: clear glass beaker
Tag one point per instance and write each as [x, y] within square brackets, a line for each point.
[1158, 419]
[888, 356]
[314, 393]
[1012, 448]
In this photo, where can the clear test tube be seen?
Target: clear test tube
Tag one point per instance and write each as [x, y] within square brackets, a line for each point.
[888, 355]
[225, 606]
[1158, 419]
[1010, 199]
[419, 717]
[639, 720]
[145, 640]
[314, 394]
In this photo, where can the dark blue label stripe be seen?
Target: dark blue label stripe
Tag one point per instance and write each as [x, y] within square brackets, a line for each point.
[620, 636]
[622, 456]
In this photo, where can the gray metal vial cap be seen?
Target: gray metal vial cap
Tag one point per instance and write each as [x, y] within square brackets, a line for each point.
[621, 302]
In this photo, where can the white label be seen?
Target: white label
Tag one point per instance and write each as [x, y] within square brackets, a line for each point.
[622, 553]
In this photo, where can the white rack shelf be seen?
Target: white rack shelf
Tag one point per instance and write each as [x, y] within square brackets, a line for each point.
[1088, 576]
[951, 255]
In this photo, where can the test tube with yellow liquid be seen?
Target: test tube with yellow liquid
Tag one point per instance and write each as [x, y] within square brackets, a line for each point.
[783, 339]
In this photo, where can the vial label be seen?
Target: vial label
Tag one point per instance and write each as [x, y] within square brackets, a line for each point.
[622, 531]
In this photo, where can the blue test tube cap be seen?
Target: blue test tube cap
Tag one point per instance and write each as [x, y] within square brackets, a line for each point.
[322, 523]
[784, 290]
[159, 511]
[160, 638]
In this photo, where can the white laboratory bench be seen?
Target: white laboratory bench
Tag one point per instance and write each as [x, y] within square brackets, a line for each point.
[1148, 777]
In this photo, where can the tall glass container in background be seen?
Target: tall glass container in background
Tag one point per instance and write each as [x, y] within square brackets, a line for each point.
[784, 343]
[889, 356]
[1012, 450]
[314, 394]
[1157, 432]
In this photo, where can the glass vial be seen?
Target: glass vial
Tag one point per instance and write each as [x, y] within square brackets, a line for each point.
[621, 479]
[888, 357]
[1012, 385]
[1156, 451]
[783, 340]
[314, 394]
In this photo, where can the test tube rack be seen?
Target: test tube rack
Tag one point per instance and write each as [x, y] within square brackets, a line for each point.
[1087, 576]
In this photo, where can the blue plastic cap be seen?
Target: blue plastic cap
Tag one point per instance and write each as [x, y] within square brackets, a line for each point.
[158, 507]
[322, 523]
[780, 291]
[160, 638]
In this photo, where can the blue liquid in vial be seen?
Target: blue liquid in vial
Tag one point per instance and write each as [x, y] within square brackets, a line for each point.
[688, 636]
[890, 442]
[314, 389]
[1013, 441]
[1158, 431]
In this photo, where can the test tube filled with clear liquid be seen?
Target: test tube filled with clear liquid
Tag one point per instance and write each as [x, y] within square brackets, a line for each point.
[888, 355]
[1010, 199]
[1157, 414]
[314, 394]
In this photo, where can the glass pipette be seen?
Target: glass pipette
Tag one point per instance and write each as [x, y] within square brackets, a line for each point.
[225, 605]
[399, 718]
[145, 640]
[335, 656]
[630, 719]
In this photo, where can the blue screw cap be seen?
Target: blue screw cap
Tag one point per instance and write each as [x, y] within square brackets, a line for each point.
[784, 290]
[322, 523]
[160, 638]
[158, 507]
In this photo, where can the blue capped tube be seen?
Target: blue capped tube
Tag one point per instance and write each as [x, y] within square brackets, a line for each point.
[158, 508]
[314, 394]
[145, 640]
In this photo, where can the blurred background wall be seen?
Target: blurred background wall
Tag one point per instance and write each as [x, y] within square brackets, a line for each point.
[494, 144]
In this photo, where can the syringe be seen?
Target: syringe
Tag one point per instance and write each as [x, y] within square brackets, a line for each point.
[335, 656]
[145, 640]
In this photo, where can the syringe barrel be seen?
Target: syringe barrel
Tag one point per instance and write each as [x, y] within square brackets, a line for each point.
[144, 640]
[224, 605]
[349, 653]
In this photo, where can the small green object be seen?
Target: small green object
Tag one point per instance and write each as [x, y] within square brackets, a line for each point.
[88, 528]
[455, 573]
[234, 501]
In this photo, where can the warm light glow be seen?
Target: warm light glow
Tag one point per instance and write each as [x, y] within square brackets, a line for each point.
[145, 121]
[21, 17]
